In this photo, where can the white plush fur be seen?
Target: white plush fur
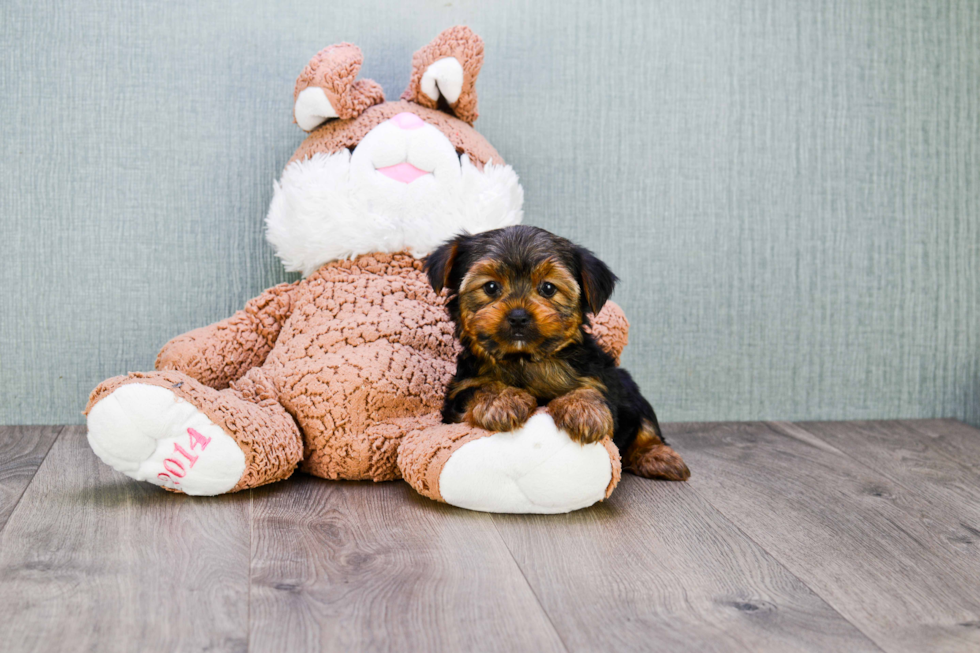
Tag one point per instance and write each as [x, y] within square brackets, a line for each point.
[444, 76]
[135, 429]
[337, 206]
[535, 469]
[312, 108]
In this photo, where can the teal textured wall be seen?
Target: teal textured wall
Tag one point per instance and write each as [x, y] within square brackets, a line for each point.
[790, 190]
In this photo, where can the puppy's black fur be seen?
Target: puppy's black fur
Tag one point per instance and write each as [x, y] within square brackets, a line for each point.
[550, 357]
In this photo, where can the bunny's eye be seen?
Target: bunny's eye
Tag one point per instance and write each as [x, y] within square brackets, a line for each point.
[491, 288]
[547, 289]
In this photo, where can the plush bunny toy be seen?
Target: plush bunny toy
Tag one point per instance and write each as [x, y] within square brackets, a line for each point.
[344, 371]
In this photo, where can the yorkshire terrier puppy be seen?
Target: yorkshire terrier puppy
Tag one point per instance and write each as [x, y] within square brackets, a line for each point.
[520, 298]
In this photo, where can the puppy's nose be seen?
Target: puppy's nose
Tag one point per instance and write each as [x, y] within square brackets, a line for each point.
[407, 120]
[519, 317]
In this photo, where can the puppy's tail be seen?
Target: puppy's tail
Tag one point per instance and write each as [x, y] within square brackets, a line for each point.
[638, 404]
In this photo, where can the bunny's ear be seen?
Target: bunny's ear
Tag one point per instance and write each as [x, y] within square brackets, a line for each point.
[327, 88]
[444, 73]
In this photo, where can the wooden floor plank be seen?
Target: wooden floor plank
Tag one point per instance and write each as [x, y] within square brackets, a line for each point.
[22, 448]
[341, 566]
[91, 560]
[937, 463]
[656, 567]
[958, 441]
[881, 520]
[863, 541]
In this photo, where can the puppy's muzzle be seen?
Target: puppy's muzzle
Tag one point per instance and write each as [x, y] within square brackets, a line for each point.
[518, 328]
[519, 319]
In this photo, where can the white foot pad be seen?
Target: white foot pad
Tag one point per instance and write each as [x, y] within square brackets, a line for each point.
[148, 433]
[535, 469]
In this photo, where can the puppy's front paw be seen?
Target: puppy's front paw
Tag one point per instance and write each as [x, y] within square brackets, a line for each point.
[583, 414]
[503, 410]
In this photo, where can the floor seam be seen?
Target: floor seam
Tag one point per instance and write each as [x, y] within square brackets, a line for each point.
[852, 456]
[789, 571]
[20, 496]
[783, 564]
[849, 455]
[527, 582]
[925, 433]
[248, 618]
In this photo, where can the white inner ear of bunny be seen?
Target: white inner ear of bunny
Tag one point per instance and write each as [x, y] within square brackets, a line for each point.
[445, 76]
[313, 108]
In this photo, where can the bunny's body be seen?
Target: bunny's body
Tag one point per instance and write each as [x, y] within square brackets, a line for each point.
[344, 372]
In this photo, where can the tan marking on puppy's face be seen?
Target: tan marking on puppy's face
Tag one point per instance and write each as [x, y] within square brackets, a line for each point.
[508, 310]
[479, 310]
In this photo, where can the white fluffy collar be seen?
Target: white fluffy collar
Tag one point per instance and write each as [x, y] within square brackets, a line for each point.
[324, 210]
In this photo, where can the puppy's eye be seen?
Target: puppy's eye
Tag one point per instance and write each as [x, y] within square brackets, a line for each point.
[547, 289]
[491, 288]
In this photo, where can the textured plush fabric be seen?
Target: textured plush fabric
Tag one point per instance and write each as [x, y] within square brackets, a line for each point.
[343, 364]
[423, 456]
[611, 328]
[334, 69]
[426, 449]
[248, 412]
[335, 206]
[221, 353]
[467, 48]
[358, 354]
[368, 350]
[338, 134]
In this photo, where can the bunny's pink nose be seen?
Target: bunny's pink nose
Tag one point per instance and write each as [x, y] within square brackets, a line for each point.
[407, 120]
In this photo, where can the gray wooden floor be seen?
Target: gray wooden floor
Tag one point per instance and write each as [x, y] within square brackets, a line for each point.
[826, 536]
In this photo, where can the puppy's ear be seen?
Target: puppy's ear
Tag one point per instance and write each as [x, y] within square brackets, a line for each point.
[598, 281]
[440, 264]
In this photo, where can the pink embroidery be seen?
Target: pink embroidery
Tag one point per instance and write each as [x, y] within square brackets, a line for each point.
[197, 438]
[191, 458]
[175, 463]
[175, 466]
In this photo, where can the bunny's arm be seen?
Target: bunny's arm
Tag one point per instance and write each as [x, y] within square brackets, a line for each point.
[611, 329]
[218, 354]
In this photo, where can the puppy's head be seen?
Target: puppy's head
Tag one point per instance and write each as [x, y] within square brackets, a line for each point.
[519, 290]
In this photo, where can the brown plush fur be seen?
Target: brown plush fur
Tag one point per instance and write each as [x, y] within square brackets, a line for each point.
[334, 370]
[345, 370]
[463, 44]
[334, 69]
[339, 134]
